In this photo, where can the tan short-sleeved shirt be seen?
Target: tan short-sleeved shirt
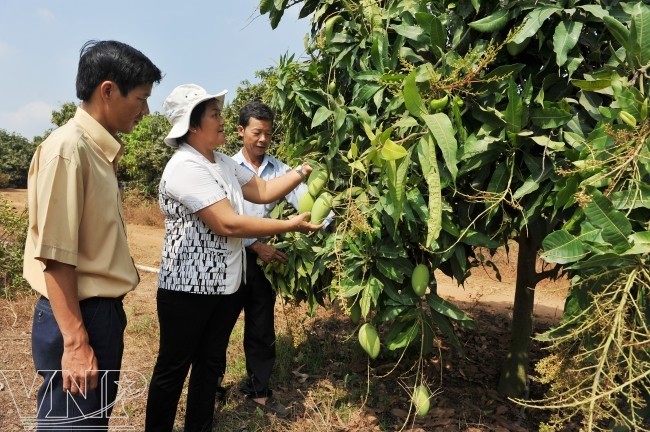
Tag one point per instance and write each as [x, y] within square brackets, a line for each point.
[75, 210]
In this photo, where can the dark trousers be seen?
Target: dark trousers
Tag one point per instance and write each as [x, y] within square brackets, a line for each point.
[105, 321]
[194, 331]
[259, 329]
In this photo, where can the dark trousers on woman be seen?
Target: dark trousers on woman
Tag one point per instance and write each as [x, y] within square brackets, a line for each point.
[194, 332]
[259, 329]
[60, 411]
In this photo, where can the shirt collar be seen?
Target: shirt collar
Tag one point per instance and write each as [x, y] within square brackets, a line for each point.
[241, 160]
[112, 147]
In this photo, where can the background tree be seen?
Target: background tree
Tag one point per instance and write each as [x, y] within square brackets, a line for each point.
[247, 92]
[15, 157]
[145, 155]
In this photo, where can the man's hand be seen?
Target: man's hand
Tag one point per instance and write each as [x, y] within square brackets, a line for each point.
[79, 369]
[268, 253]
[306, 168]
[78, 363]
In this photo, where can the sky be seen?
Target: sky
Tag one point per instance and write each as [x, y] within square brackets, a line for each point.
[215, 44]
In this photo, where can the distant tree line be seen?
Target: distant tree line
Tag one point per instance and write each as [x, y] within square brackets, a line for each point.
[145, 154]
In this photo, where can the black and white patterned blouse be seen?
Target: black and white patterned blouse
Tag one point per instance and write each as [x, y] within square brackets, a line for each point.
[194, 258]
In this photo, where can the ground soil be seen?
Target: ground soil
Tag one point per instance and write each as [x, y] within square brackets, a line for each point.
[467, 399]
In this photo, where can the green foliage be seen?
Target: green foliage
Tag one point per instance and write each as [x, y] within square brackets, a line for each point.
[15, 157]
[13, 231]
[65, 113]
[532, 129]
[145, 155]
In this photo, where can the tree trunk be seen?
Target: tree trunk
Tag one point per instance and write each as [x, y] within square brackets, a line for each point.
[513, 381]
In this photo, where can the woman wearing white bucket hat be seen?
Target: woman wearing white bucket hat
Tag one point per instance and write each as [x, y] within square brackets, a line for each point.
[201, 195]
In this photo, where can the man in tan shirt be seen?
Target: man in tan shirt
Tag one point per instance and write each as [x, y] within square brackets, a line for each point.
[76, 253]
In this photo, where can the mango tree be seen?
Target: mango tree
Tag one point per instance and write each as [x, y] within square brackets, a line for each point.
[444, 127]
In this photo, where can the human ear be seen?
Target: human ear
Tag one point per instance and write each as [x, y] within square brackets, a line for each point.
[107, 88]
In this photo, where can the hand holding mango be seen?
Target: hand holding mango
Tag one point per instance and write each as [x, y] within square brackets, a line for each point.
[302, 223]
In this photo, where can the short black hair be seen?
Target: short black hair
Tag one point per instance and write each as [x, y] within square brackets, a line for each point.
[115, 61]
[257, 110]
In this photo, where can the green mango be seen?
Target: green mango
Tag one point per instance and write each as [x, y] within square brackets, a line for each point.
[316, 181]
[305, 203]
[369, 340]
[420, 279]
[421, 400]
[321, 208]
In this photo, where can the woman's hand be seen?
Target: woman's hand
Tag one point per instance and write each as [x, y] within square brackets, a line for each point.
[302, 223]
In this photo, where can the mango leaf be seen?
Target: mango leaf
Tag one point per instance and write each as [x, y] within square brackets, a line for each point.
[565, 38]
[265, 6]
[409, 31]
[368, 75]
[392, 151]
[546, 141]
[371, 290]
[529, 186]
[632, 198]
[314, 96]
[514, 114]
[603, 261]
[339, 118]
[445, 327]
[615, 226]
[562, 248]
[364, 93]
[595, 10]
[397, 185]
[391, 312]
[428, 335]
[401, 334]
[641, 243]
[552, 116]
[533, 22]
[429, 163]
[640, 37]
[438, 38]
[412, 99]
[446, 308]
[592, 85]
[322, 114]
[618, 30]
[443, 132]
[477, 238]
[378, 50]
[369, 133]
[499, 180]
[393, 269]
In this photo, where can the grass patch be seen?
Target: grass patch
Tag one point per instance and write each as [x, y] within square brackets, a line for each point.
[142, 210]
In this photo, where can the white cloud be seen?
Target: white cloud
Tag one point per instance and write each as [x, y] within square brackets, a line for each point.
[29, 121]
[45, 14]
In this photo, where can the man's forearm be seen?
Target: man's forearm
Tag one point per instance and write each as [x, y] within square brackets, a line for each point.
[61, 283]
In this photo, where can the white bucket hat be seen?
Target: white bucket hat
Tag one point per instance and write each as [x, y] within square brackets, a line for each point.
[179, 105]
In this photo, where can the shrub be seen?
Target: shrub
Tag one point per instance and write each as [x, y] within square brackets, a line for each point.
[13, 231]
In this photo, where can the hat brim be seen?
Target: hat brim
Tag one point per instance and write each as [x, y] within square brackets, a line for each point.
[182, 125]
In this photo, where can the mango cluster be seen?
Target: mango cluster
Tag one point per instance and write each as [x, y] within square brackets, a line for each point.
[316, 201]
